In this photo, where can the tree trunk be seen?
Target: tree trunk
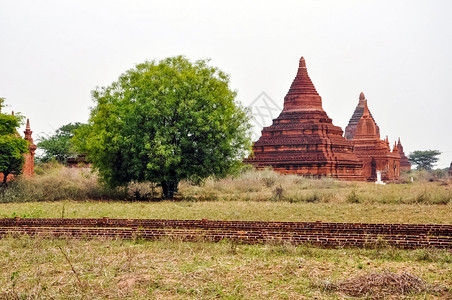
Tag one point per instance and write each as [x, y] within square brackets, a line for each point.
[169, 188]
[5, 179]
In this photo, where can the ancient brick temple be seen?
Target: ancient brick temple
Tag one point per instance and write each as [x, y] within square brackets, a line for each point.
[303, 140]
[450, 169]
[375, 153]
[350, 130]
[405, 164]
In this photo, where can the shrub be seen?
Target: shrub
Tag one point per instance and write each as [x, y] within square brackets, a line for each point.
[353, 197]
[278, 193]
[53, 182]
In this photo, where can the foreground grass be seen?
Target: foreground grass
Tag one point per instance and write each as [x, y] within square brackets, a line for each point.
[235, 210]
[99, 269]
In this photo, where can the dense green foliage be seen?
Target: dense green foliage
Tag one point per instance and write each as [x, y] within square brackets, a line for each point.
[424, 159]
[12, 146]
[58, 146]
[164, 122]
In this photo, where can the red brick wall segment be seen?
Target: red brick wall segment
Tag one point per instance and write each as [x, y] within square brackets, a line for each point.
[250, 232]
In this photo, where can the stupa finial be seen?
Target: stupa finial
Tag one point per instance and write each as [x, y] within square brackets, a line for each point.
[361, 96]
[28, 125]
[302, 63]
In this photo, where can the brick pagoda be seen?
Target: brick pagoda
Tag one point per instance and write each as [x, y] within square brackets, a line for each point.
[29, 166]
[405, 164]
[375, 153]
[303, 140]
[450, 169]
[350, 130]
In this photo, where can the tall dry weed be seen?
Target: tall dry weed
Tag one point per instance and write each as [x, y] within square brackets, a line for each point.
[54, 183]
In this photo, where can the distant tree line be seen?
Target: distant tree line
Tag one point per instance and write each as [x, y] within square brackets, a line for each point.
[59, 146]
[424, 160]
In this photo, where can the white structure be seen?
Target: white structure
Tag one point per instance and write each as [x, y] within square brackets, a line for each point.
[379, 179]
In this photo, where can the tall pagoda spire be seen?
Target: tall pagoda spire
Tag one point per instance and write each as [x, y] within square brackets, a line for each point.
[302, 94]
[302, 84]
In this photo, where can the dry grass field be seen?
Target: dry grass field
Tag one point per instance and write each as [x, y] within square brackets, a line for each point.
[234, 210]
[254, 195]
[170, 269]
[98, 269]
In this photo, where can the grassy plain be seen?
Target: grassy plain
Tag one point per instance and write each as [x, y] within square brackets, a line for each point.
[264, 195]
[235, 210]
[170, 269]
[55, 183]
[97, 269]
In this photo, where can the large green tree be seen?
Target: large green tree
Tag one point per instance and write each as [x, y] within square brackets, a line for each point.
[424, 159]
[12, 146]
[59, 145]
[164, 122]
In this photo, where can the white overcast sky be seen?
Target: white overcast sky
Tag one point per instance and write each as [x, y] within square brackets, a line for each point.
[399, 53]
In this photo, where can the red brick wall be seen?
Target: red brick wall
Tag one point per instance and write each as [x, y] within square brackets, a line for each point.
[250, 232]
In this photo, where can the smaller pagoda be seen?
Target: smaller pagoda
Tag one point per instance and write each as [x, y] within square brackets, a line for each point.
[375, 153]
[350, 130]
[405, 164]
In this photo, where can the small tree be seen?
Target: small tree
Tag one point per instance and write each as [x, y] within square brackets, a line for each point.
[12, 146]
[424, 159]
[166, 121]
[59, 145]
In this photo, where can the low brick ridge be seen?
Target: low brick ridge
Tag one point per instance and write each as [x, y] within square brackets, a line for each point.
[245, 237]
[315, 227]
[408, 236]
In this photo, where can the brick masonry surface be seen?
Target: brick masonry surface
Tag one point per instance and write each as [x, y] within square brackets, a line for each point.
[407, 236]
